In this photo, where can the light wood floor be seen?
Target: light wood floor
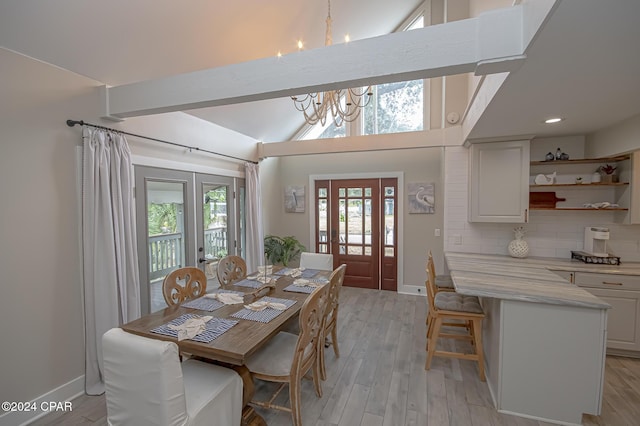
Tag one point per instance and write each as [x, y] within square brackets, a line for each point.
[379, 378]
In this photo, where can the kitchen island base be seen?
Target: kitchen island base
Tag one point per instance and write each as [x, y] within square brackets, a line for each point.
[545, 362]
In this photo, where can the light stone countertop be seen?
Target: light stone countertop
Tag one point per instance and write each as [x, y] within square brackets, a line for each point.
[529, 280]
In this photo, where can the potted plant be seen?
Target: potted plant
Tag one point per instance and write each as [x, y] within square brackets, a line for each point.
[282, 250]
[607, 173]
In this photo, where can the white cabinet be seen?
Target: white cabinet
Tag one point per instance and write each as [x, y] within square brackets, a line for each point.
[622, 292]
[499, 182]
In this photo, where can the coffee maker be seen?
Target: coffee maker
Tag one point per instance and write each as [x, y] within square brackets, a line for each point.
[595, 241]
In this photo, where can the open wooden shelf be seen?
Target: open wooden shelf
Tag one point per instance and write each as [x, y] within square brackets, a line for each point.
[611, 209]
[582, 161]
[586, 185]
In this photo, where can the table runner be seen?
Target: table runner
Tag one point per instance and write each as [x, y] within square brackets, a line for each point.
[263, 316]
[214, 328]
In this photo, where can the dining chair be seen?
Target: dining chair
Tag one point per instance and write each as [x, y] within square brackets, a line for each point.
[445, 307]
[331, 317]
[287, 357]
[183, 284]
[146, 384]
[230, 269]
[443, 282]
[320, 261]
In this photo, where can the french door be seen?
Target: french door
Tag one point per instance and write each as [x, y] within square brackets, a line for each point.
[356, 221]
[184, 219]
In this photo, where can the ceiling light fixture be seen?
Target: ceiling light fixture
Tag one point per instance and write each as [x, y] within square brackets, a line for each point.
[343, 104]
[553, 120]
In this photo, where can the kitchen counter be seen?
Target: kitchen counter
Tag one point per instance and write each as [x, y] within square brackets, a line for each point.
[544, 338]
[529, 280]
[554, 263]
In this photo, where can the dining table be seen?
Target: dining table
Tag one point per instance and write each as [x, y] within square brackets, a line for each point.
[245, 336]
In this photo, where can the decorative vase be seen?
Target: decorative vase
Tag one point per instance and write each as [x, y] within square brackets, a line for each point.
[519, 247]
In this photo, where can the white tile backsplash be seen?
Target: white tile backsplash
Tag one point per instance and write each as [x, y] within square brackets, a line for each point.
[549, 233]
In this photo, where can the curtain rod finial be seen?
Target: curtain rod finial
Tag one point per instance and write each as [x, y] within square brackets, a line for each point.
[72, 123]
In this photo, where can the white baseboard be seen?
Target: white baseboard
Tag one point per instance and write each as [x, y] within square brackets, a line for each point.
[61, 394]
[413, 289]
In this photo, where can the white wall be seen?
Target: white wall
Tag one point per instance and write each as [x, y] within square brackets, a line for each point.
[416, 165]
[41, 314]
[622, 137]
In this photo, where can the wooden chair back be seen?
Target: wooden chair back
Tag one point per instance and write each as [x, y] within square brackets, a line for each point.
[335, 284]
[311, 322]
[230, 269]
[183, 284]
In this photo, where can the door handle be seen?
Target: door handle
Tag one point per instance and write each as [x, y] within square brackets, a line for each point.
[202, 260]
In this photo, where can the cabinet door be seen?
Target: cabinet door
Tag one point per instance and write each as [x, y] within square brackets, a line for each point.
[623, 322]
[499, 182]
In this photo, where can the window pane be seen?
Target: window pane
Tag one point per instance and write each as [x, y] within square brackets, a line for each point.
[355, 250]
[388, 251]
[367, 251]
[322, 192]
[341, 193]
[323, 248]
[355, 192]
[396, 107]
[388, 191]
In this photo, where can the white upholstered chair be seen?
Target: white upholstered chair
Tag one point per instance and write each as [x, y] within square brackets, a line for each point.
[320, 261]
[146, 384]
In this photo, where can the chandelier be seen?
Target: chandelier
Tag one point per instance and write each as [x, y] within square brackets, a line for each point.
[343, 104]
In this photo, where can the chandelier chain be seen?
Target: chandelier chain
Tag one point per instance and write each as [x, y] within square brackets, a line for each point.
[344, 105]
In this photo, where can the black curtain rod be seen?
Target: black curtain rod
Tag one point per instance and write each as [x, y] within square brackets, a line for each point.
[72, 123]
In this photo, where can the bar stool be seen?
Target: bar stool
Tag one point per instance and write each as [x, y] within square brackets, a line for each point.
[443, 282]
[445, 307]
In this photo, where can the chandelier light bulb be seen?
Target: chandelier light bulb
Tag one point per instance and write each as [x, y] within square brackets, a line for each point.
[300, 45]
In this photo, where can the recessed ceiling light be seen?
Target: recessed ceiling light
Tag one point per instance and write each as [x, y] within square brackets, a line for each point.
[553, 120]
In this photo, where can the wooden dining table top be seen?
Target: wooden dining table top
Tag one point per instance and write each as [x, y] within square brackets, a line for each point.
[239, 342]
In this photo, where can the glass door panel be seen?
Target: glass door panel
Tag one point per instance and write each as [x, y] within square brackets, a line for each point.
[216, 223]
[163, 229]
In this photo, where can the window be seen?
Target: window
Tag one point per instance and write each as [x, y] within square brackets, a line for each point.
[394, 107]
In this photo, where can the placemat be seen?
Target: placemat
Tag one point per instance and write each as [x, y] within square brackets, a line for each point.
[307, 273]
[266, 315]
[215, 327]
[251, 283]
[207, 303]
[299, 289]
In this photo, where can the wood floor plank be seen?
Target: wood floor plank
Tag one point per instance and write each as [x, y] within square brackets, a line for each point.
[396, 409]
[340, 394]
[354, 410]
[380, 378]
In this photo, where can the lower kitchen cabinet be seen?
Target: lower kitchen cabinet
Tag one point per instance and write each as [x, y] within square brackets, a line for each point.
[622, 292]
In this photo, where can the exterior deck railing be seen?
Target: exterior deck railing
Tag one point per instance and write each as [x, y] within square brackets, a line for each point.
[166, 251]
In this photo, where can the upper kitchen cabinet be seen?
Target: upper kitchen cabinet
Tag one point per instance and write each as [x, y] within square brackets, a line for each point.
[499, 182]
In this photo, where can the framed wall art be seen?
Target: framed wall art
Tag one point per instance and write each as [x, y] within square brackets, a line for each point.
[421, 198]
[294, 199]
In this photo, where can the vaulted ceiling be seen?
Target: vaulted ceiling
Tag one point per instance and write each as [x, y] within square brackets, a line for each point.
[583, 66]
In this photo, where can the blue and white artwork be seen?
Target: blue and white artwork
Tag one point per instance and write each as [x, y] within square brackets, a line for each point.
[294, 199]
[421, 198]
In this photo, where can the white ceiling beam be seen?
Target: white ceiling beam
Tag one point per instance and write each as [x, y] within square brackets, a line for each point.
[491, 42]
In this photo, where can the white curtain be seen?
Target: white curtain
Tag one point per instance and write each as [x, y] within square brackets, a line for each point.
[255, 234]
[110, 260]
